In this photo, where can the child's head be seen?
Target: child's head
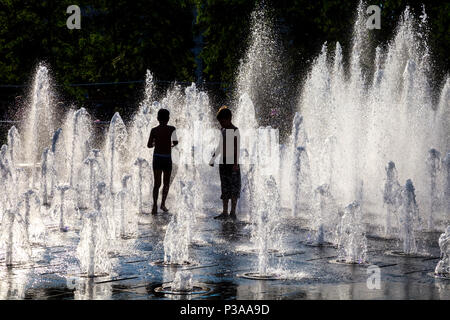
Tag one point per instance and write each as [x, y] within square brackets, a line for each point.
[163, 115]
[224, 116]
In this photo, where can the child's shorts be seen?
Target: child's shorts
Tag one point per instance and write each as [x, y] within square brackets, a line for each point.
[162, 162]
[230, 181]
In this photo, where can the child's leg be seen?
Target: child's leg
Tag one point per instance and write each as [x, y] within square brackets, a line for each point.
[157, 179]
[165, 191]
[225, 206]
[224, 213]
[233, 206]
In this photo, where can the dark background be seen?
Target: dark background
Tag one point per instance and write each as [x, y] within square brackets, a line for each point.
[186, 41]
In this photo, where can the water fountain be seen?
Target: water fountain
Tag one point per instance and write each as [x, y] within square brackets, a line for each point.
[29, 207]
[14, 239]
[391, 195]
[143, 121]
[265, 230]
[433, 165]
[62, 207]
[142, 177]
[300, 182]
[323, 218]
[351, 237]
[127, 227]
[374, 118]
[8, 177]
[182, 284]
[92, 250]
[178, 233]
[115, 151]
[39, 122]
[408, 221]
[349, 123]
[447, 185]
[443, 267]
[94, 170]
[14, 145]
[79, 146]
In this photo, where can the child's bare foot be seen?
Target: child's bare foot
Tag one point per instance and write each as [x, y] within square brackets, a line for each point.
[221, 216]
[163, 208]
[154, 210]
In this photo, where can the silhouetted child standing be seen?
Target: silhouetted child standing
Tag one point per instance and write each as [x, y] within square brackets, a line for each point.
[229, 170]
[163, 138]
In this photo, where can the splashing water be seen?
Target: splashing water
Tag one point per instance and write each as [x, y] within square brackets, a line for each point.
[443, 266]
[352, 242]
[374, 118]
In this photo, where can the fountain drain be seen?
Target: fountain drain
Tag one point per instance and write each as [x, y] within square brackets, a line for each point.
[196, 289]
[398, 253]
[258, 276]
[320, 245]
[163, 263]
[349, 263]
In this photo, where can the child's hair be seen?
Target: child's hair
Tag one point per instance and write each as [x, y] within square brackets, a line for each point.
[224, 113]
[163, 115]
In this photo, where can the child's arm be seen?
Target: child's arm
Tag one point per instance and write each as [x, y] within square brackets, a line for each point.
[151, 140]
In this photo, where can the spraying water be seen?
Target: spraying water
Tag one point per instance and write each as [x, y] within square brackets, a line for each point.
[443, 266]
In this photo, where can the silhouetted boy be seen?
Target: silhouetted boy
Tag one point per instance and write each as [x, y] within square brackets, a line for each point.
[163, 138]
[229, 171]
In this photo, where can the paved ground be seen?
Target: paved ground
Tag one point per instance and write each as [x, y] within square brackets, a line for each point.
[222, 252]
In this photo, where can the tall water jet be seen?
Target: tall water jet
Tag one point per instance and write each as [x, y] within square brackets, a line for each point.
[391, 195]
[8, 179]
[142, 176]
[143, 121]
[14, 239]
[47, 176]
[60, 155]
[351, 235]
[443, 267]
[14, 145]
[408, 218]
[247, 124]
[39, 122]
[299, 167]
[447, 184]
[261, 72]
[29, 207]
[127, 227]
[94, 169]
[62, 207]
[433, 165]
[265, 231]
[179, 230]
[116, 147]
[80, 139]
[323, 217]
[92, 250]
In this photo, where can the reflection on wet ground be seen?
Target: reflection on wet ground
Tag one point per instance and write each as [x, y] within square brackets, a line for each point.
[220, 252]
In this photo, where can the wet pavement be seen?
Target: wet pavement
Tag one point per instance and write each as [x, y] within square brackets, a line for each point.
[221, 252]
